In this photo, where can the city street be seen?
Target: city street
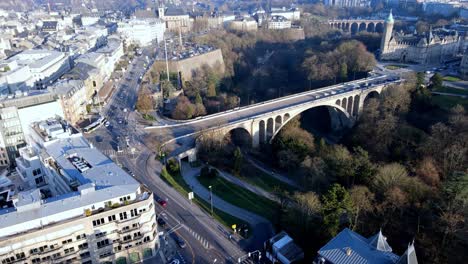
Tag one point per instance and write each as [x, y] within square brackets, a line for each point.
[206, 240]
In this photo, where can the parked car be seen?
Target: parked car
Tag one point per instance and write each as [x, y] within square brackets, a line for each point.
[161, 222]
[179, 241]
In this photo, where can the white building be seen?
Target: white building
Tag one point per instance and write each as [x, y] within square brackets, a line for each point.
[17, 112]
[293, 13]
[33, 69]
[70, 203]
[278, 22]
[347, 3]
[112, 53]
[142, 31]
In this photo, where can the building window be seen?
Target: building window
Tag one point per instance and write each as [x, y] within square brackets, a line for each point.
[39, 180]
[66, 241]
[123, 215]
[100, 234]
[146, 239]
[36, 172]
[56, 255]
[85, 254]
[69, 250]
[102, 243]
[83, 246]
[36, 260]
[82, 236]
[20, 255]
[111, 218]
[94, 84]
[127, 237]
[133, 212]
[98, 222]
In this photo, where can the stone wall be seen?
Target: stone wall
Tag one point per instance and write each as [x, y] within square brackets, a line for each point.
[187, 66]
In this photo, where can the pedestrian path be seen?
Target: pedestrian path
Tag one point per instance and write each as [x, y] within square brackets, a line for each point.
[124, 152]
[259, 165]
[257, 190]
[262, 228]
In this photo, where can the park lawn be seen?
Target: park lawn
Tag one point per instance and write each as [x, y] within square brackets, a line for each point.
[451, 90]
[450, 78]
[241, 197]
[178, 183]
[447, 102]
[394, 67]
[257, 177]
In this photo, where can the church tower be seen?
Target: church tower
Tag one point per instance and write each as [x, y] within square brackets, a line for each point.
[387, 33]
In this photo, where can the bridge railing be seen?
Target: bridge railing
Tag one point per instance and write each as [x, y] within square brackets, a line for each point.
[276, 100]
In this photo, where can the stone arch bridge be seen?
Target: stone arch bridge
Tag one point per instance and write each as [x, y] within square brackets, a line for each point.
[357, 25]
[263, 121]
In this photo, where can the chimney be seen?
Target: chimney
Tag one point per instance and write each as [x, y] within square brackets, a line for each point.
[348, 251]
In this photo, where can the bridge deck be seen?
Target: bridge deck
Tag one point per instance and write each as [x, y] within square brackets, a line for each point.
[182, 133]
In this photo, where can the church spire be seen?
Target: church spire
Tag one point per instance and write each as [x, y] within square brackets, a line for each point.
[390, 18]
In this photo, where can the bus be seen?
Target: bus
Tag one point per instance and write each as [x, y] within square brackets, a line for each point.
[91, 127]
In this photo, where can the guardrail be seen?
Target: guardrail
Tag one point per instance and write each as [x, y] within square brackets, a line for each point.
[249, 107]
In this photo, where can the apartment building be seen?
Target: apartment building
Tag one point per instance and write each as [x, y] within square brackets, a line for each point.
[84, 208]
[33, 69]
[142, 31]
[72, 97]
[17, 112]
[279, 22]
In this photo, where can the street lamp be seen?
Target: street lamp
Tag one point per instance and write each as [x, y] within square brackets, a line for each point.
[211, 199]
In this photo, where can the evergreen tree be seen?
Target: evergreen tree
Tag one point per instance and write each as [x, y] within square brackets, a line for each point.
[335, 203]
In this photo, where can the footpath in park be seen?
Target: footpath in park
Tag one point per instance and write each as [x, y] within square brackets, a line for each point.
[262, 229]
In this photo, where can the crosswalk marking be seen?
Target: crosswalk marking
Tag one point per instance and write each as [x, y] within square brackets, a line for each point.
[202, 240]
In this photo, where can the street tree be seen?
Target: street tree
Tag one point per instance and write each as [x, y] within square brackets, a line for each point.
[336, 203]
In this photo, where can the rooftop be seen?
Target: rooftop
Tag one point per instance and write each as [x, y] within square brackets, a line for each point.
[349, 247]
[94, 177]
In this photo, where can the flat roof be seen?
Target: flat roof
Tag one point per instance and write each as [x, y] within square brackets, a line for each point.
[102, 181]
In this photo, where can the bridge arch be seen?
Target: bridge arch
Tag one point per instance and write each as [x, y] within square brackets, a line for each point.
[362, 27]
[371, 95]
[371, 27]
[350, 105]
[354, 28]
[344, 103]
[339, 109]
[239, 136]
[356, 105]
[379, 27]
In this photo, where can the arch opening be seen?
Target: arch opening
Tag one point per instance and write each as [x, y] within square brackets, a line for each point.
[354, 28]
[379, 27]
[371, 27]
[370, 96]
[239, 137]
[323, 121]
[362, 27]
[261, 131]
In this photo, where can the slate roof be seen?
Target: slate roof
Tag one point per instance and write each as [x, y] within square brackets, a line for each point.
[349, 247]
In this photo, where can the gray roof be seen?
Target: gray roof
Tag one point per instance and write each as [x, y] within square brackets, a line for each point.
[104, 180]
[349, 247]
[409, 257]
[174, 11]
[379, 241]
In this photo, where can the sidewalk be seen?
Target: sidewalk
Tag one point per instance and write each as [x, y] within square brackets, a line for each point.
[262, 228]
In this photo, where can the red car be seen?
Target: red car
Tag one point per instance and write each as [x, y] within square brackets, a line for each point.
[162, 202]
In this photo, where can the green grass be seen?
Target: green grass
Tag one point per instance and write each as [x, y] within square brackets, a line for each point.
[241, 197]
[447, 102]
[394, 67]
[257, 177]
[178, 183]
[449, 78]
[452, 90]
[148, 117]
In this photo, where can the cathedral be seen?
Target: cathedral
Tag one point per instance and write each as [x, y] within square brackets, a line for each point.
[432, 47]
